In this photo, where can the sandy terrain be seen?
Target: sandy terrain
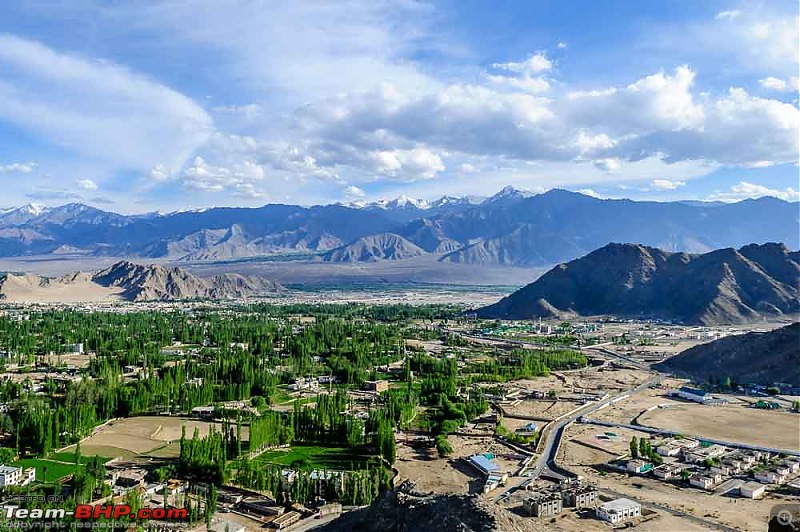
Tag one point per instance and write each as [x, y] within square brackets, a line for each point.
[451, 475]
[146, 435]
[77, 289]
[730, 422]
[540, 408]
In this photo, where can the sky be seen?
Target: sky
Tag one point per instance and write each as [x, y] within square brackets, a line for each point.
[179, 104]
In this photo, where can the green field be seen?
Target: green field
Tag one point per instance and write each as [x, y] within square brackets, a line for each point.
[311, 456]
[67, 456]
[46, 470]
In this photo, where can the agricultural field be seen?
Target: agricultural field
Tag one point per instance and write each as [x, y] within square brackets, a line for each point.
[142, 436]
[316, 457]
[47, 470]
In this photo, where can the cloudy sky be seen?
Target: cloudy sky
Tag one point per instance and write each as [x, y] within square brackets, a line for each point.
[171, 104]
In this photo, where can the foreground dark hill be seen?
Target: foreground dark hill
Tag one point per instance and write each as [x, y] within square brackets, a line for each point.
[630, 280]
[511, 228]
[132, 282]
[763, 358]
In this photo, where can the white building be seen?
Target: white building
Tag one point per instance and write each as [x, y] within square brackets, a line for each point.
[668, 450]
[619, 510]
[703, 482]
[770, 476]
[751, 490]
[16, 476]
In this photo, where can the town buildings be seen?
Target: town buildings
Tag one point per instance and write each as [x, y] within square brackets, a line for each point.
[543, 504]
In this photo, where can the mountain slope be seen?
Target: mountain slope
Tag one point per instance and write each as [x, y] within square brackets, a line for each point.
[559, 226]
[384, 246]
[723, 286]
[511, 228]
[763, 358]
[131, 282]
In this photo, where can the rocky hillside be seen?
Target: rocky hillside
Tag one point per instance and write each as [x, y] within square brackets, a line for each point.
[384, 246]
[398, 512]
[132, 282]
[630, 280]
[762, 358]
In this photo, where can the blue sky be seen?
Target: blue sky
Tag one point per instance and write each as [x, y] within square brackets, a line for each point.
[176, 104]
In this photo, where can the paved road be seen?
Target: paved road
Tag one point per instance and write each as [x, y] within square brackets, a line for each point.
[546, 462]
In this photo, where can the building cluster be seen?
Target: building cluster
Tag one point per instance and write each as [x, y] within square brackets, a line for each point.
[491, 471]
[266, 510]
[708, 466]
[548, 503]
[312, 384]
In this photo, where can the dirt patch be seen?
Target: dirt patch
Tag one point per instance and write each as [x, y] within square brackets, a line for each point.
[730, 422]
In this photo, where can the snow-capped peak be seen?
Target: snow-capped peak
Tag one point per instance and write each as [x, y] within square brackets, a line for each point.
[404, 201]
[34, 209]
[509, 192]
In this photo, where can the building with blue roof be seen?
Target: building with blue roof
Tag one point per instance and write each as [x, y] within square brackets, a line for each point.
[483, 464]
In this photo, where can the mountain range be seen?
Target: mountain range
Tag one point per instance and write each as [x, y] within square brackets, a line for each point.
[513, 228]
[127, 281]
[635, 281]
[756, 357]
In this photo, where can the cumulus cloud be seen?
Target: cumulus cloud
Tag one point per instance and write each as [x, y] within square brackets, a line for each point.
[17, 168]
[781, 85]
[86, 184]
[745, 190]
[665, 184]
[204, 177]
[659, 116]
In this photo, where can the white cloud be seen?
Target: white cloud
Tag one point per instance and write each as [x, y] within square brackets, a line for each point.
[17, 168]
[159, 173]
[353, 192]
[659, 116]
[204, 177]
[467, 168]
[248, 191]
[666, 184]
[535, 64]
[589, 192]
[524, 83]
[86, 184]
[780, 85]
[728, 15]
[745, 190]
[98, 109]
[656, 102]
[561, 45]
